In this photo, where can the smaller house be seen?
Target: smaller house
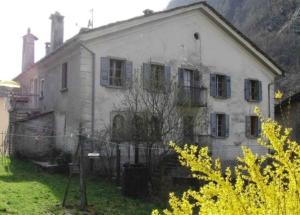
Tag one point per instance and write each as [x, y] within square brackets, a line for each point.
[4, 116]
[287, 113]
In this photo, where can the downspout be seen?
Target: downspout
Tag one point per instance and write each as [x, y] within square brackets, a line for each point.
[269, 99]
[93, 92]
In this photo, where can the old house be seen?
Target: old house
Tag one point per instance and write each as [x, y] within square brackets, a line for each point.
[82, 80]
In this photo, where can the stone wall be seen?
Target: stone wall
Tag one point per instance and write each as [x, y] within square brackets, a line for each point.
[33, 137]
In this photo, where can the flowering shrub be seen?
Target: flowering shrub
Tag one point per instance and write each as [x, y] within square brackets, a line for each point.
[268, 184]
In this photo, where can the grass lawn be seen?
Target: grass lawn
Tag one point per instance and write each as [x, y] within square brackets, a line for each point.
[23, 190]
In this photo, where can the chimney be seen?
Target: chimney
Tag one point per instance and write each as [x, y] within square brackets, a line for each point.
[28, 50]
[57, 31]
[47, 48]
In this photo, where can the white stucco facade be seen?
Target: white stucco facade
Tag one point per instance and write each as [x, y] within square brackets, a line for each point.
[166, 38]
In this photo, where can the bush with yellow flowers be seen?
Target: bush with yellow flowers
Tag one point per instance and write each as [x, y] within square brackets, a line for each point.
[267, 184]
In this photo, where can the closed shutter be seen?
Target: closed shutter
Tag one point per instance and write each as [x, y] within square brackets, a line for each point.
[226, 125]
[213, 85]
[146, 75]
[259, 91]
[104, 72]
[128, 72]
[180, 77]
[228, 87]
[167, 78]
[247, 89]
[248, 126]
[213, 124]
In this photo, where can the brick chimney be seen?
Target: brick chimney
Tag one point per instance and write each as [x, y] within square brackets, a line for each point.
[57, 31]
[28, 50]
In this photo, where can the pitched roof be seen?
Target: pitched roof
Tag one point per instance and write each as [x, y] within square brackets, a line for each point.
[209, 11]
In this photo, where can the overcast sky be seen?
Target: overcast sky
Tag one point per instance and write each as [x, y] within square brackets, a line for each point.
[17, 15]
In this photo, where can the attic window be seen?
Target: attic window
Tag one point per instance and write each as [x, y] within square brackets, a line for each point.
[196, 36]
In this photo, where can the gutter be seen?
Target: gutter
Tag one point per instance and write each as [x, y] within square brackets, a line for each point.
[93, 90]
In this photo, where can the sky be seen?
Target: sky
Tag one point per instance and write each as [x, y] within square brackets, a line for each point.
[17, 16]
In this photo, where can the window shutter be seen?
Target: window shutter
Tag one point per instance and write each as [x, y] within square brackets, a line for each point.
[213, 85]
[259, 91]
[104, 73]
[146, 75]
[226, 125]
[213, 124]
[180, 77]
[248, 126]
[247, 89]
[128, 71]
[197, 79]
[258, 127]
[167, 78]
[228, 87]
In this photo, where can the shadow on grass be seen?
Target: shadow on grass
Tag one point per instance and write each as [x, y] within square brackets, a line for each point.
[102, 196]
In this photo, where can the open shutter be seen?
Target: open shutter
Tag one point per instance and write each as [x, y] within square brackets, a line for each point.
[248, 126]
[213, 124]
[213, 85]
[247, 89]
[228, 87]
[146, 75]
[167, 78]
[226, 125]
[259, 91]
[258, 127]
[128, 71]
[104, 72]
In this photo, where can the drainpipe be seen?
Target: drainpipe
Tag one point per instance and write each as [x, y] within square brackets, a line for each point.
[269, 99]
[93, 92]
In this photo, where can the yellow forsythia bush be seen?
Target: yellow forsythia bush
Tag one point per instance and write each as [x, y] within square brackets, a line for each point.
[268, 184]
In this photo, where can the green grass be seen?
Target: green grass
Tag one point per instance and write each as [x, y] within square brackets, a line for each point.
[25, 191]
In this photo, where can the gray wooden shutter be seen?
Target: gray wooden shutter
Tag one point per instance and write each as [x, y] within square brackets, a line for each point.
[258, 127]
[167, 78]
[226, 125]
[248, 126]
[128, 71]
[196, 79]
[213, 124]
[247, 89]
[104, 71]
[146, 75]
[228, 87]
[213, 85]
[259, 91]
[180, 77]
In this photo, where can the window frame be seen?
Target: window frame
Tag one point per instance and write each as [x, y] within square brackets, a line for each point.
[188, 136]
[224, 86]
[122, 72]
[154, 77]
[249, 133]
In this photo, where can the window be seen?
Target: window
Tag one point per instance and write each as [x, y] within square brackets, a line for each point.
[220, 86]
[188, 128]
[156, 77]
[253, 126]
[64, 76]
[155, 129]
[253, 90]
[219, 125]
[42, 86]
[118, 128]
[116, 72]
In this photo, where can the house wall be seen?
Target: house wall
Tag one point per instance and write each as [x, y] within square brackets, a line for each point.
[170, 41]
[4, 115]
[288, 115]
